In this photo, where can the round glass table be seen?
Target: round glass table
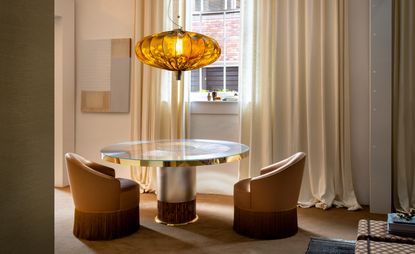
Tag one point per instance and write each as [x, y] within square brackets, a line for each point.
[176, 162]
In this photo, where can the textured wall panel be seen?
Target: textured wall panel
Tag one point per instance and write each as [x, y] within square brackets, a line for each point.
[26, 126]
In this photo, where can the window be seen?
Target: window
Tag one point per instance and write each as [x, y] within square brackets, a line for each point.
[219, 19]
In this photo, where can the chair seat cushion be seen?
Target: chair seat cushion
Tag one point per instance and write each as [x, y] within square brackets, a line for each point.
[129, 194]
[127, 184]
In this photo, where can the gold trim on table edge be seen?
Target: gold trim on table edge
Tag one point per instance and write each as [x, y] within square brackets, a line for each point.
[193, 163]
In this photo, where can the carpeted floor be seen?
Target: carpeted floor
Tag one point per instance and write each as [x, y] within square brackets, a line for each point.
[212, 233]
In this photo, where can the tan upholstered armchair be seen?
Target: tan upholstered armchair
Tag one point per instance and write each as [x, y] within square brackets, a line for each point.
[266, 205]
[105, 207]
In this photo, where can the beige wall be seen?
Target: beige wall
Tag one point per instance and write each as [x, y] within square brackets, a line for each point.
[101, 19]
[26, 126]
[381, 106]
[64, 86]
[216, 121]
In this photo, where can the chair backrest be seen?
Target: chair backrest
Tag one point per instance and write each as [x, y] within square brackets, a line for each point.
[279, 189]
[92, 191]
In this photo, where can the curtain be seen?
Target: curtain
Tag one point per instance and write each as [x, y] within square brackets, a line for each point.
[159, 105]
[403, 99]
[294, 94]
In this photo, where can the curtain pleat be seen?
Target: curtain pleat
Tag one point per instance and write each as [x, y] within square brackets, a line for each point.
[403, 99]
[294, 94]
[158, 102]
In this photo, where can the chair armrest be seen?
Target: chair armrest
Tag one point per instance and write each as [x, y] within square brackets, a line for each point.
[101, 168]
[94, 191]
[242, 194]
[280, 188]
[274, 166]
[243, 185]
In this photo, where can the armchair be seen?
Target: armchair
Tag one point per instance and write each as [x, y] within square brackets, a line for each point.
[266, 205]
[105, 207]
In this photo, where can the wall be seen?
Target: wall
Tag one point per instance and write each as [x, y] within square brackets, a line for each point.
[370, 92]
[381, 106]
[359, 96]
[101, 19]
[64, 86]
[26, 126]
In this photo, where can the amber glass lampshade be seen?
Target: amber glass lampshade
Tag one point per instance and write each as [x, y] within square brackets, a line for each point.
[177, 50]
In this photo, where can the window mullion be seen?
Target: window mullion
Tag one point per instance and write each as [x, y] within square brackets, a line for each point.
[200, 31]
[224, 49]
[208, 12]
[200, 79]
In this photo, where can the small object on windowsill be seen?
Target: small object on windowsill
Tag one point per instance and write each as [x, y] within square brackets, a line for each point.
[214, 94]
[209, 97]
[217, 98]
[230, 98]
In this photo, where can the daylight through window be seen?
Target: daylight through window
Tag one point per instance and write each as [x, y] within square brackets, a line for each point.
[219, 19]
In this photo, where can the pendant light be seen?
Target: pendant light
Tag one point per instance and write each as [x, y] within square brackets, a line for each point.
[178, 50]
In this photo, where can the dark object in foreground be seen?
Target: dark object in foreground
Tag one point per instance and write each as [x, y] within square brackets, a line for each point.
[329, 246]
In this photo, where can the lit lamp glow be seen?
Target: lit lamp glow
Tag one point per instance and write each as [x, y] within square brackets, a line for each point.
[178, 50]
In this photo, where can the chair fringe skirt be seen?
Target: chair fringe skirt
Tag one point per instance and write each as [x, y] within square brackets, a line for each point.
[265, 225]
[106, 225]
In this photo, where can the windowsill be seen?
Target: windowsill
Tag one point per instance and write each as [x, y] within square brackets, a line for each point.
[203, 97]
[214, 107]
[215, 101]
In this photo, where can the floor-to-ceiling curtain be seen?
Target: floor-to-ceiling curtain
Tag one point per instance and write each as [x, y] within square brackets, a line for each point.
[403, 113]
[158, 100]
[295, 94]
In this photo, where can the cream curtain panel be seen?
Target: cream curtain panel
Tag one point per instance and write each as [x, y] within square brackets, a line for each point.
[158, 101]
[403, 113]
[295, 94]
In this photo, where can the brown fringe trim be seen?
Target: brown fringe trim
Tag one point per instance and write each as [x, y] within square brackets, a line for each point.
[265, 225]
[176, 213]
[106, 225]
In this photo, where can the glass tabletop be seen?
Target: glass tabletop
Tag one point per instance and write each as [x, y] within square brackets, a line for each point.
[175, 153]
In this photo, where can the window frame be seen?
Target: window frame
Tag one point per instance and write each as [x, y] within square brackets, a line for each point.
[225, 87]
[225, 63]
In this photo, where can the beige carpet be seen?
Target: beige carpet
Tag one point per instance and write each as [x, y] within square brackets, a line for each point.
[212, 233]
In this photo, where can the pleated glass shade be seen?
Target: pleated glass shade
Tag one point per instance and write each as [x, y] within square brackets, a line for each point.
[177, 50]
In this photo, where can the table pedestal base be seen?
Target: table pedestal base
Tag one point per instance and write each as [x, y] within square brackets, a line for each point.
[176, 195]
[174, 214]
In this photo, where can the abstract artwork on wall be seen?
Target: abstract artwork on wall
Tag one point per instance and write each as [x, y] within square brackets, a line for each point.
[104, 75]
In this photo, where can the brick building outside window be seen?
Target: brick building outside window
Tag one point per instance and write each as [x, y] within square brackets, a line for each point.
[219, 19]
